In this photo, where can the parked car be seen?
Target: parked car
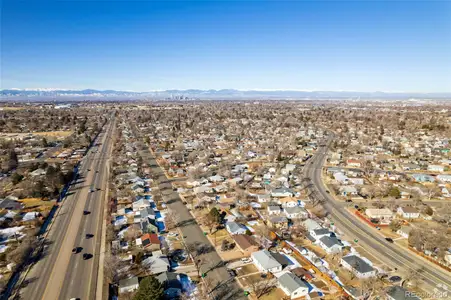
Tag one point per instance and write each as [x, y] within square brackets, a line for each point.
[246, 260]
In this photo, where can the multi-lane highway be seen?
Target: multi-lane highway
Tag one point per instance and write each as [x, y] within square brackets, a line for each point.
[60, 273]
[392, 255]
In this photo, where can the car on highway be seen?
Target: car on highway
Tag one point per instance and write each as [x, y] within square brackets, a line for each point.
[87, 256]
[89, 235]
[86, 212]
[390, 240]
[97, 171]
[349, 200]
[77, 250]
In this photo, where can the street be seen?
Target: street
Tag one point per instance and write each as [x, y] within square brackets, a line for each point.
[392, 255]
[60, 274]
[217, 279]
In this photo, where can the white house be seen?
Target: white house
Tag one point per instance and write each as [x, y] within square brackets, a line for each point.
[263, 198]
[385, 215]
[128, 285]
[288, 202]
[444, 178]
[348, 191]
[436, 168]
[295, 212]
[292, 285]
[282, 192]
[235, 228]
[404, 231]
[341, 178]
[273, 210]
[408, 212]
[319, 233]
[330, 244]
[265, 262]
[360, 267]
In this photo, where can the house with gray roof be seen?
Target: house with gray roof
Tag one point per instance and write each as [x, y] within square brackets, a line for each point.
[296, 212]
[235, 228]
[330, 244]
[292, 285]
[319, 233]
[399, 293]
[265, 262]
[128, 285]
[361, 268]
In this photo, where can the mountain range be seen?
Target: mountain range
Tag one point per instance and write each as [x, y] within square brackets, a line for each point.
[190, 94]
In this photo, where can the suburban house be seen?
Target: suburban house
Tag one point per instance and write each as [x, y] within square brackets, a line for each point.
[282, 192]
[408, 212]
[149, 242]
[353, 163]
[245, 243]
[319, 233]
[171, 284]
[360, 267]
[235, 228]
[263, 198]
[444, 178]
[157, 263]
[265, 262]
[296, 212]
[288, 202]
[436, 168]
[423, 177]
[399, 293]
[348, 191]
[330, 244]
[302, 273]
[128, 285]
[310, 225]
[341, 178]
[385, 215]
[404, 231]
[273, 210]
[279, 222]
[292, 285]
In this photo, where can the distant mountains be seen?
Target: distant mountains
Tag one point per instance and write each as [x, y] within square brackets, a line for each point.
[192, 94]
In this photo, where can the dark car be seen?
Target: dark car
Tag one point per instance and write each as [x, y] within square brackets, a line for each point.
[89, 235]
[349, 200]
[87, 256]
[77, 250]
[97, 171]
[394, 279]
[390, 240]
[327, 191]
[86, 212]
[232, 273]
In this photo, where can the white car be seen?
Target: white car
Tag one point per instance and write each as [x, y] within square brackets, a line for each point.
[172, 234]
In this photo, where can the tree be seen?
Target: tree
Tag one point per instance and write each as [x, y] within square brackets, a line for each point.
[149, 289]
[395, 225]
[112, 266]
[432, 191]
[215, 215]
[16, 178]
[394, 192]
[44, 142]
[11, 162]
[260, 287]
[372, 287]
[132, 232]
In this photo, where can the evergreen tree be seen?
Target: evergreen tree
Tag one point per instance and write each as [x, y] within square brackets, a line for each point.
[149, 289]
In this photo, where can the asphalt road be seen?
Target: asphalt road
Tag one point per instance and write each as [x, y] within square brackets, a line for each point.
[392, 255]
[60, 274]
[218, 280]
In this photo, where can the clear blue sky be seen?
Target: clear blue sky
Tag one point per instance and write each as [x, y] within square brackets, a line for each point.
[307, 45]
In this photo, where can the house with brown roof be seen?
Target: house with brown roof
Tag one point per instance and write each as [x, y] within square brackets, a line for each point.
[149, 241]
[246, 243]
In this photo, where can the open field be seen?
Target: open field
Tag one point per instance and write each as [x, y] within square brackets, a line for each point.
[54, 133]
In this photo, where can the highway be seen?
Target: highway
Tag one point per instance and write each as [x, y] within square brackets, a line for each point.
[61, 274]
[390, 254]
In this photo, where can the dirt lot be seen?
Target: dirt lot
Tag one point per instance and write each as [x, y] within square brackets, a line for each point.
[246, 269]
[274, 294]
[54, 133]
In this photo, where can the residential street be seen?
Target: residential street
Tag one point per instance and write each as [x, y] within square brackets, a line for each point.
[391, 254]
[217, 278]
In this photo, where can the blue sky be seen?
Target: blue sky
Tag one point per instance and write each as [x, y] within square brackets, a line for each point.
[304, 45]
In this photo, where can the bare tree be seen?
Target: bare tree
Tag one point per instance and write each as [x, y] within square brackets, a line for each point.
[133, 232]
[261, 287]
